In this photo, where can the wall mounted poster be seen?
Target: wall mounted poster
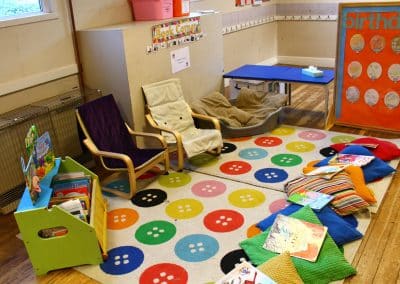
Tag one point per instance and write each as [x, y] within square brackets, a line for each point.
[368, 66]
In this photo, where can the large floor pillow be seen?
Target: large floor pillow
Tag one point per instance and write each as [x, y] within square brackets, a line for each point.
[341, 229]
[374, 170]
[386, 150]
[331, 264]
[346, 201]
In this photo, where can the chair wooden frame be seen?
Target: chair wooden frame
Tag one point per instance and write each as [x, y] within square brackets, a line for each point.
[132, 171]
[178, 146]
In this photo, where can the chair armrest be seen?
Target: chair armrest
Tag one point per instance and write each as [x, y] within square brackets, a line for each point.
[105, 154]
[176, 134]
[159, 137]
[211, 119]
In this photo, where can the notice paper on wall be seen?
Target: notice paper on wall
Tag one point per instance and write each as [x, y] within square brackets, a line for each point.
[180, 59]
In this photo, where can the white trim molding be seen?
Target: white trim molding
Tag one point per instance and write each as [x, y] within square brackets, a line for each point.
[37, 79]
[306, 61]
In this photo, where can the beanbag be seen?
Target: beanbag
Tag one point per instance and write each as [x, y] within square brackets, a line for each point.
[342, 230]
[281, 269]
[330, 265]
[374, 170]
[386, 150]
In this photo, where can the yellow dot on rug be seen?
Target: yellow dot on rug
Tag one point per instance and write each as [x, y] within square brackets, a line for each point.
[246, 198]
[283, 131]
[184, 208]
[300, 146]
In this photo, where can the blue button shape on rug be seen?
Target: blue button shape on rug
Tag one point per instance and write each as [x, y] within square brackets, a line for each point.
[122, 260]
[271, 175]
[119, 185]
[253, 153]
[196, 248]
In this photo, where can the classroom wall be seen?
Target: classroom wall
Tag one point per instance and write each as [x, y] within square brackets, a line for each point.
[35, 54]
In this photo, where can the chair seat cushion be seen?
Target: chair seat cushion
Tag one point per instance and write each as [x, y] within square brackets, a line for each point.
[139, 157]
[331, 264]
[196, 141]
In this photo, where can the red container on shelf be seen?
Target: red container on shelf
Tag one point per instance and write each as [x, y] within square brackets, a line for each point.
[146, 10]
[181, 8]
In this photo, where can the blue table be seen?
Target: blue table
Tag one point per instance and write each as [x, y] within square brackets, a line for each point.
[286, 74]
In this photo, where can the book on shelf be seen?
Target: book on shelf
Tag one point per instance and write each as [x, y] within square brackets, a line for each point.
[44, 154]
[316, 200]
[75, 208]
[73, 184]
[351, 159]
[245, 273]
[32, 181]
[300, 238]
[326, 172]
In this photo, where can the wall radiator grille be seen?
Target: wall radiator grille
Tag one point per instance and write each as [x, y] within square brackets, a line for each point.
[56, 115]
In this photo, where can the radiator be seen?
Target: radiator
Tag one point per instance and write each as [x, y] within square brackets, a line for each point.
[55, 115]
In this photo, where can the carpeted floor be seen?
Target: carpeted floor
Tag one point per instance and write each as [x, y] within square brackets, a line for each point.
[185, 227]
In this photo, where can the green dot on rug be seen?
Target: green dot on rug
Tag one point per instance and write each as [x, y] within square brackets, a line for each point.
[330, 265]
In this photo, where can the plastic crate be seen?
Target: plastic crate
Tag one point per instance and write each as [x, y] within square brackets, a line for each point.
[144, 10]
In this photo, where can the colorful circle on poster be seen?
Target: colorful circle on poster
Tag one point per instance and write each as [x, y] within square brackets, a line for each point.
[278, 204]
[269, 141]
[224, 220]
[392, 100]
[396, 44]
[208, 188]
[300, 146]
[283, 131]
[196, 248]
[228, 148]
[246, 198]
[252, 231]
[374, 70]
[235, 168]
[286, 160]
[394, 72]
[253, 154]
[377, 43]
[122, 260]
[164, 273]
[203, 160]
[342, 138]
[354, 69]
[327, 152]
[174, 180]
[155, 232]
[271, 175]
[185, 208]
[312, 135]
[357, 42]
[121, 218]
[230, 260]
[371, 97]
[352, 94]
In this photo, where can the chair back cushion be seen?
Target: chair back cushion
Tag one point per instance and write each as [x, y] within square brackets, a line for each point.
[106, 127]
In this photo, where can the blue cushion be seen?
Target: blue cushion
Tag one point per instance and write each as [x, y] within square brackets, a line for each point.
[374, 170]
[342, 230]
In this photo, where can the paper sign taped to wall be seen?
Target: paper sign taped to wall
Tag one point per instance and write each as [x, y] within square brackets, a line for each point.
[180, 59]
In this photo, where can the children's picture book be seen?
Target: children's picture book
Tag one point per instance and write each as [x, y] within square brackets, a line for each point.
[32, 181]
[300, 238]
[351, 159]
[44, 154]
[316, 200]
[327, 172]
[245, 273]
[72, 184]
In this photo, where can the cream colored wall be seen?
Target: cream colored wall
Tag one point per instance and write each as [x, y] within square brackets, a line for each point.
[33, 54]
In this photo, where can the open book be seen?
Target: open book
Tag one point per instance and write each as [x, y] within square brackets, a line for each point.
[316, 200]
[300, 238]
[327, 172]
[351, 159]
[245, 273]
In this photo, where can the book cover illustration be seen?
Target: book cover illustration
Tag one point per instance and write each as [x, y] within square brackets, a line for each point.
[32, 181]
[351, 159]
[245, 273]
[300, 238]
[316, 200]
[44, 154]
[326, 172]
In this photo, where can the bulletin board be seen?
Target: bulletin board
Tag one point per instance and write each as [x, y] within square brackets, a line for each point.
[368, 66]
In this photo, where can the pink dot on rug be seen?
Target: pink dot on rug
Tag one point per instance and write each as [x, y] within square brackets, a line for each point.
[312, 135]
[278, 204]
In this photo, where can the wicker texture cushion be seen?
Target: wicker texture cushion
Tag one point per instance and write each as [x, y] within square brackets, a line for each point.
[330, 265]
[281, 269]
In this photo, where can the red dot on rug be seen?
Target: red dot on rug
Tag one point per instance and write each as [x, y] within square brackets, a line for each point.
[235, 167]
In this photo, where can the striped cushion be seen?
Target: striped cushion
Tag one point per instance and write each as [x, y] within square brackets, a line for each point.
[346, 201]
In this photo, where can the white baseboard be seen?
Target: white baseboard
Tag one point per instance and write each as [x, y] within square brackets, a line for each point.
[37, 79]
[269, 61]
[306, 61]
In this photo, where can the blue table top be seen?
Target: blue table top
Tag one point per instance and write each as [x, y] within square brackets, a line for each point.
[278, 73]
